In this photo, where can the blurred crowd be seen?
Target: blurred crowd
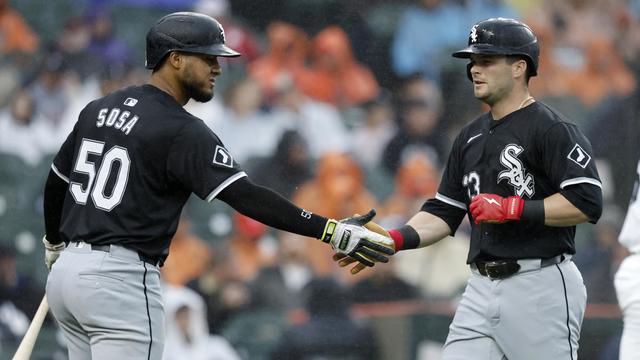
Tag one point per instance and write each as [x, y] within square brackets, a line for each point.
[341, 106]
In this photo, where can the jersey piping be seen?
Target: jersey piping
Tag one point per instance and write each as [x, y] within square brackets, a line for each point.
[580, 180]
[451, 202]
[226, 183]
[55, 170]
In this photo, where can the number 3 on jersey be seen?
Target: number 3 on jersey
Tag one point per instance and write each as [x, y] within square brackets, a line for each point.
[96, 185]
[472, 182]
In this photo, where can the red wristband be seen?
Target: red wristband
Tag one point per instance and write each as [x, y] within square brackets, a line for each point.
[398, 239]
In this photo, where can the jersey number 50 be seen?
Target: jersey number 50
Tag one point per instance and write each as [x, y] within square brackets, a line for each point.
[96, 185]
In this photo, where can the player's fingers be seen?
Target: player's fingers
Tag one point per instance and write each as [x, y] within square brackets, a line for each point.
[338, 256]
[359, 267]
[362, 259]
[377, 247]
[373, 255]
[346, 261]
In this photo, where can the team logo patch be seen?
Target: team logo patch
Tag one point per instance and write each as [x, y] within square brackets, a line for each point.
[222, 157]
[516, 174]
[579, 156]
[473, 35]
[131, 102]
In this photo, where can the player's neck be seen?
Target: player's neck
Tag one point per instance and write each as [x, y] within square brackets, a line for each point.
[514, 102]
[170, 87]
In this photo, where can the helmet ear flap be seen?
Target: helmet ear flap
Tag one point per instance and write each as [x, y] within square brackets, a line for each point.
[469, 65]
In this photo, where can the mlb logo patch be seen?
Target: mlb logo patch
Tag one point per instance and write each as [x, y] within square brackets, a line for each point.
[579, 156]
[131, 102]
[222, 157]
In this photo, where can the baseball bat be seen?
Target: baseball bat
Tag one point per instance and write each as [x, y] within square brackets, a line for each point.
[29, 340]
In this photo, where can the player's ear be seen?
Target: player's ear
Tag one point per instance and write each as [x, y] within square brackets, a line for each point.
[519, 68]
[175, 59]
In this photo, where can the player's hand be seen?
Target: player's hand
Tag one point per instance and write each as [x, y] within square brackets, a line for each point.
[350, 237]
[495, 209]
[345, 260]
[51, 252]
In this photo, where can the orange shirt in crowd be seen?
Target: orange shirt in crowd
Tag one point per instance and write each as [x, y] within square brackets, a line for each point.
[15, 34]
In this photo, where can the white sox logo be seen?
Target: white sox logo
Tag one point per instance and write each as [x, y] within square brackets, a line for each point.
[473, 35]
[515, 174]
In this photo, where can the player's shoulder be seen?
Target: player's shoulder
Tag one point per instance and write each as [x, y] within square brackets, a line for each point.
[546, 117]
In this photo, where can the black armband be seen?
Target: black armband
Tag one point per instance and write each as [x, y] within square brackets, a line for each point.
[405, 238]
[533, 212]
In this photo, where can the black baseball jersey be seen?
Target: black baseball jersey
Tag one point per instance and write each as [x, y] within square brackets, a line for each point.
[131, 161]
[533, 153]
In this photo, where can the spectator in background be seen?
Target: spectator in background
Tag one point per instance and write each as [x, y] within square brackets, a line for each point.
[330, 332]
[288, 47]
[247, 128]
[417, 178]
[15, 34]
[22, 133]
[104, 45]
[16, 289]
[73, 43]
[374, 132]
[249, 248]
[382, 284]
[424, 32]
[288, 168]
[419, 116]
[50, 90]
[335, 75]
[338, 190]
[187, 334]
[189, 258]
[320, 124]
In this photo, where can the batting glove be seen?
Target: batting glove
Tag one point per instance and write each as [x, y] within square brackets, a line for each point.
[495, 209]
[51, 252]
[350, 237]
[345, 260]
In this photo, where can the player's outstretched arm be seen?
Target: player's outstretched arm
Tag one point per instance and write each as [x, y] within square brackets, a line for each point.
[421, 230]
[347, 236]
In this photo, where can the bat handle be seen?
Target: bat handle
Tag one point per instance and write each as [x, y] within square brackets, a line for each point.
[29, 340]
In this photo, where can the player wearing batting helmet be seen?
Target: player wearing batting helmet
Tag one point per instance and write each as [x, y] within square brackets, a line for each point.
[118, 184]
[525, 177]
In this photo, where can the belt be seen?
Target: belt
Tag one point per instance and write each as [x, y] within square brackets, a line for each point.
[146, 258]
[501, 269]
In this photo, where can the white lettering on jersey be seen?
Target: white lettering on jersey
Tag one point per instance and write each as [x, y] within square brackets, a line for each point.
[131, 102]
[222, 157]
[102, 116]
[515, 174]
[117, 119]
[579, 156]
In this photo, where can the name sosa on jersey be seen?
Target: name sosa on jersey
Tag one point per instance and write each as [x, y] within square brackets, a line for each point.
[116, 118]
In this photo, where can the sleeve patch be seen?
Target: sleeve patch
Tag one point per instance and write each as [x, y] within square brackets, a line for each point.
[579, 156]
[222, 157]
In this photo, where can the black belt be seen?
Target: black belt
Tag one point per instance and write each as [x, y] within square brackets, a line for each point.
[501, 269]
[146, 258]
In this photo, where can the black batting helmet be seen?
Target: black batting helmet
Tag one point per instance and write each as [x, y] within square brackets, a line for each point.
[186, 32]
[501, 36]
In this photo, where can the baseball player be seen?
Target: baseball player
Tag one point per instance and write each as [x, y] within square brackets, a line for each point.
[525, 177]
[118, 184]
[627, 281]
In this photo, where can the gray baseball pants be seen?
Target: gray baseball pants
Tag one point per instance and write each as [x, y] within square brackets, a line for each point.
[535, 314]
[108, 304]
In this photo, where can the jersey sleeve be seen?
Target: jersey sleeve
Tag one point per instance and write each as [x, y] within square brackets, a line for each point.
[200, 162]
[450, 200]
[567, 157]
[568, 162]
[63, 161]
